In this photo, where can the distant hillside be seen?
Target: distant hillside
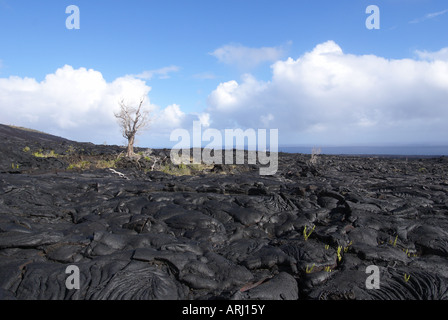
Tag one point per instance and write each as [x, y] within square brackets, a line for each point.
[26, 150]
[24, 134]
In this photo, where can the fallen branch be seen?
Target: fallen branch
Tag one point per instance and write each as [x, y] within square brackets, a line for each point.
[119, 173]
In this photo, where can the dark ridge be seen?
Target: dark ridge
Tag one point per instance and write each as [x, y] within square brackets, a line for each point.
[24, 134]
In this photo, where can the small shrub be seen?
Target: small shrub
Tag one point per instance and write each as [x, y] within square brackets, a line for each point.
[105, 164]
[180, 170]
[40, 154]
[70, 150]
[79, 165]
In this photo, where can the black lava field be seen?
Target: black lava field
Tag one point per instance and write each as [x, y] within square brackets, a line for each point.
[147, 229]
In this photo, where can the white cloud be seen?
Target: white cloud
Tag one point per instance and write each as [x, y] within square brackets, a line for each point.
[162, 73]
[169, 118]
[78, 104]
[246, 57]
[204, 76]
[442, 54]
[328, 96]
[429, 16]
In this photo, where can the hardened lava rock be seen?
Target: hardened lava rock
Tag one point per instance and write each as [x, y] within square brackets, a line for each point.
[146, 229]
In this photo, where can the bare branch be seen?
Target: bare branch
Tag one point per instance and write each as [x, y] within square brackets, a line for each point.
[131, 121]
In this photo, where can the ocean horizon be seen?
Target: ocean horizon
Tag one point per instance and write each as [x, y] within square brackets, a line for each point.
[400, 151]
[370, 150]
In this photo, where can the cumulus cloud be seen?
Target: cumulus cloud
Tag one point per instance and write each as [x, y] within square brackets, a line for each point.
[330, 97]
[442, 54]
[246, 57]
[78, 104]
[167, 119]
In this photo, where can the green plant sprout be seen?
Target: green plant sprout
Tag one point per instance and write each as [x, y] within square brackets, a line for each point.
[346, 248]
[394, 243]
[407, 277]
[308, 270]
[307, 235]
[328, 269]
[408, 253]
[327, 246]
[339, 253]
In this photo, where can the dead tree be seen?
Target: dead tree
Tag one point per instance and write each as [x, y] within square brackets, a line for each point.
[132, 120]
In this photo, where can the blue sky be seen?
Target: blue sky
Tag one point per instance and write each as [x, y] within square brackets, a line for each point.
[209, 60]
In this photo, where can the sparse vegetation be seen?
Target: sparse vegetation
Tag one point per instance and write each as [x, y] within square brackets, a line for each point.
[70, 150]
[92, 164]
[177, 170]
[347, 247]
[307, 235]
[79, 165]
[105, 164]
[339, 253]
[309, 270]
[394, 243]
[184, 169]
[406, 277]
[41, 154]
[409, 254]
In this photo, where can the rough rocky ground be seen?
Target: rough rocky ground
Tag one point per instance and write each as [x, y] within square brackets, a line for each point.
[221, 232]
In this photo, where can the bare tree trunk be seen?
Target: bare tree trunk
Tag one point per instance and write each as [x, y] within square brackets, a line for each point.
[131, 120]
[130, 150]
